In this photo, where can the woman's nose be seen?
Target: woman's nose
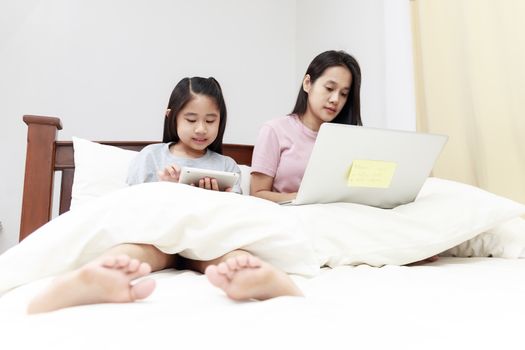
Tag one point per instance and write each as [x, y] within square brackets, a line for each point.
[334, 97]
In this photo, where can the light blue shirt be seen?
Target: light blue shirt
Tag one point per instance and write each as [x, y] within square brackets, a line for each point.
[155, 157]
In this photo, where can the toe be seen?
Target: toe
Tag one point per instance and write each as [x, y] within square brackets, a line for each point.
[232, 263]
[144, 269]
[217, 279]
[133, 265]
[142, 289]
[254, 261]
[108, 261]
[223, 268]
[122, 261]
[242, 260]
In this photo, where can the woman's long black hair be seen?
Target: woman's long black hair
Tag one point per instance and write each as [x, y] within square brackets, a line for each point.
[351, 111]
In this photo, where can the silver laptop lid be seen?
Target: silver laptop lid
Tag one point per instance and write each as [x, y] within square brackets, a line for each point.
[377, 167]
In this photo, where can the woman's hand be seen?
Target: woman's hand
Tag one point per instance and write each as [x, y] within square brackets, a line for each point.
[170, 173]
[288, 196]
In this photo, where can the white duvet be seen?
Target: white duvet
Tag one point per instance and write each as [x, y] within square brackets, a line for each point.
[203, 225]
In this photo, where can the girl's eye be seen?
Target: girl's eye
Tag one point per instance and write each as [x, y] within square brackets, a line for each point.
[329, 89]
[191, 120]
[210, 121]
[344, 94]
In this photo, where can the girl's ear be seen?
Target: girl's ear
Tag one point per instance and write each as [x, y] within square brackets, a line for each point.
[168, 111]
[307, 83]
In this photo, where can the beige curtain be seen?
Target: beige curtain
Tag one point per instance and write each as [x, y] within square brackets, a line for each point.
[470, 82]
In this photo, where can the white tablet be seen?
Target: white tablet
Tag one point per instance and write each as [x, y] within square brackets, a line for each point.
[191, 176]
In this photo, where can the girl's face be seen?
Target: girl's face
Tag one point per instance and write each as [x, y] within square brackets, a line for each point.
[328, 94]
[197, 125]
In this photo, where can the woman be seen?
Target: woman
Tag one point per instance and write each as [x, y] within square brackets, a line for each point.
[329, 93]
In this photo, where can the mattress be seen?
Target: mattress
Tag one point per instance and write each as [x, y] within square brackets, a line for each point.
[452, 303]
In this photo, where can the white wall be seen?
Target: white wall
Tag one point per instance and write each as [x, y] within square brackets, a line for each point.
[399, 84]
[356, 26]
[377, 33]
[107, 68]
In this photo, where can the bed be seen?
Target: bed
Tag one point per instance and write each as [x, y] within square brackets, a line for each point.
[359, 291]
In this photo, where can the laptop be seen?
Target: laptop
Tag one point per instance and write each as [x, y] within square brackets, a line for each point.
[378, 167]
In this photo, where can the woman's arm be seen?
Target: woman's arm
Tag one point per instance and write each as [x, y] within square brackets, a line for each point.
[261, 186]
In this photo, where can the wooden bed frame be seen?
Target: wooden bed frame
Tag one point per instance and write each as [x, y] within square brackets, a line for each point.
[45, 156]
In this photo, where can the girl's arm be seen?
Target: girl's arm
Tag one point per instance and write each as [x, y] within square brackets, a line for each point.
[261, 186]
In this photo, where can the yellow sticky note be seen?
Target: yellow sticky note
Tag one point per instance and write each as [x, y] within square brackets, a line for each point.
[371, 173]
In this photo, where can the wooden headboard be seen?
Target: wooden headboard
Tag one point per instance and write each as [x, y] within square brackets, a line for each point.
[45, 156]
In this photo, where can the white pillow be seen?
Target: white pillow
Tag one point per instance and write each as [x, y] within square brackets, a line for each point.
[445, 214]
[99, 169]
[245, 178]
[506, 240]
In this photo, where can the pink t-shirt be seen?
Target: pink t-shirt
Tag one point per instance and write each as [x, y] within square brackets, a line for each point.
[282, 151]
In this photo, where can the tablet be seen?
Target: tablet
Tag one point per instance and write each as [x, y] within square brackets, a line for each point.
[224, 179]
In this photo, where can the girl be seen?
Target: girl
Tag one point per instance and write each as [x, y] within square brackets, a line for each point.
[329, 93]
[193, 131]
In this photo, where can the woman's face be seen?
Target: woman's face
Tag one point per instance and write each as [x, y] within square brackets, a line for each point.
[328, 94]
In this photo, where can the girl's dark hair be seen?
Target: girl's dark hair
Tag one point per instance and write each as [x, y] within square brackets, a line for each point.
[351, 112]
[182, 94]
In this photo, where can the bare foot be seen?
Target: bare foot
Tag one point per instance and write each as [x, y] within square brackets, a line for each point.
[105, 280]
[247, 277]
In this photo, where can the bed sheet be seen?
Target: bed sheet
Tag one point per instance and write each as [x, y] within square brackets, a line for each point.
[453, 303]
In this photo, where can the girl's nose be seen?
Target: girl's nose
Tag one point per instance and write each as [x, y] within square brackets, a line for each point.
[201, 128]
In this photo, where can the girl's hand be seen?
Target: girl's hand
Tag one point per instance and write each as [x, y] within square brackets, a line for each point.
[170, 173]
[209, 184]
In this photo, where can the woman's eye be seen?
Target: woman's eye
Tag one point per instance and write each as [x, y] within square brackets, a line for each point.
[210, 121]
[329, 89]
[191, 120]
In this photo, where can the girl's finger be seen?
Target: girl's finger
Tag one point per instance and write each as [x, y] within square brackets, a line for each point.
[207, 183]
[174, 172]
[214, 184]
[160, 175]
